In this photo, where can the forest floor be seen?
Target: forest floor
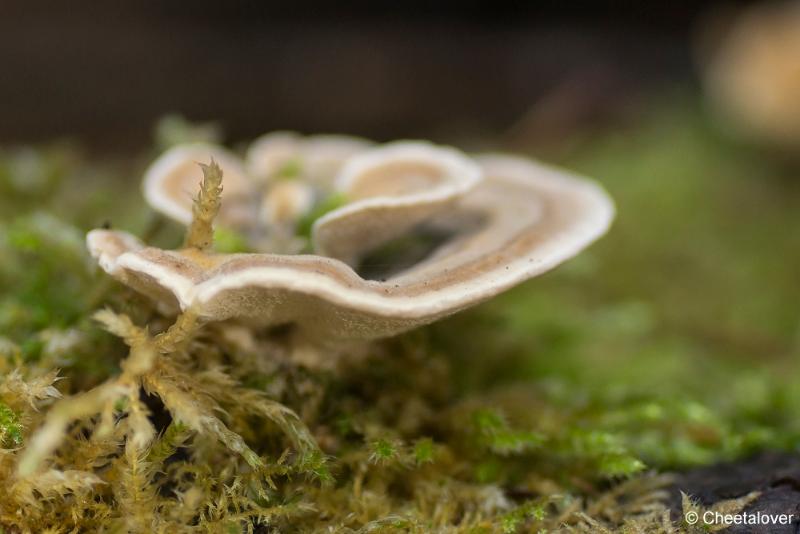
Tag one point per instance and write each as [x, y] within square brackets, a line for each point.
[582, 400]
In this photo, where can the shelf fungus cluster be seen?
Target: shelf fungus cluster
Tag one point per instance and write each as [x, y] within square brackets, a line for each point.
[351, 240]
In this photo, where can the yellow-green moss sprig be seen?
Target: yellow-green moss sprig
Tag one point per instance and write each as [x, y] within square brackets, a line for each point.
[200, 234]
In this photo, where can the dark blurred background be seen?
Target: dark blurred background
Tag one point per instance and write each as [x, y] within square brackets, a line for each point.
[104, 72]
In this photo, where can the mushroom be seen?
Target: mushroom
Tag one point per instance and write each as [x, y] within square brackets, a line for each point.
[506, 219]
[392, 189]
[317, 158]
[753, 75]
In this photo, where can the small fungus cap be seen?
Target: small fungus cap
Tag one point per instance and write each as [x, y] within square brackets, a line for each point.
[392, 189]
[317, 158]
[173, 180]
[503, 220]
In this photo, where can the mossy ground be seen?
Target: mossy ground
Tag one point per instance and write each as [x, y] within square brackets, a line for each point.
[671, 343]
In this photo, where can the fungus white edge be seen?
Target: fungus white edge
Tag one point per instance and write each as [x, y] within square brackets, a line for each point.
[435, 303]
[303, 145]
[462, 175]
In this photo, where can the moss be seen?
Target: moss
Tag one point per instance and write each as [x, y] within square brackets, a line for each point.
[557, 406]
[230, 241]
[328, 204]
[290, 170]
[10, 427]
[200, 234]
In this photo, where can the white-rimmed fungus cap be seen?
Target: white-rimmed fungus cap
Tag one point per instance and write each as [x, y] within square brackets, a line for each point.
[526, 218]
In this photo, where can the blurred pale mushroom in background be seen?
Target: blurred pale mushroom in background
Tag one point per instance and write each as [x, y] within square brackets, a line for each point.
[752, 74]
[423, 232]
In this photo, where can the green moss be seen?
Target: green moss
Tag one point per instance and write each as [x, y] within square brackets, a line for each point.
[229, 241]
[10, 427]
[291, 170]
[514, 520]
[384, 451]
[424, 451]
[328, 204]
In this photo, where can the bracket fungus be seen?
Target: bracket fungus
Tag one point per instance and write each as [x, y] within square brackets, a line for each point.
[496, 220]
